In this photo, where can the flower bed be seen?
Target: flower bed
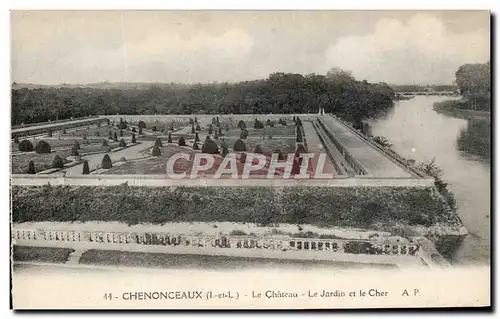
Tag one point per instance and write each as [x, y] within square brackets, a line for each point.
[322, 206]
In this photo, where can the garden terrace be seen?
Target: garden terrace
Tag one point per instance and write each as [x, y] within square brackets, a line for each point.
[40, 128]
[356, 206]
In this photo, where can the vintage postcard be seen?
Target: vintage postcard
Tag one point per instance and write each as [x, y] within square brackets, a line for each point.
[250, 159]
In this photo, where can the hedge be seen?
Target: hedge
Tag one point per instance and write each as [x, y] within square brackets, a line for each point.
[322, 206]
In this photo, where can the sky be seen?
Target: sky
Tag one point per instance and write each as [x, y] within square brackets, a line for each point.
[396, 47]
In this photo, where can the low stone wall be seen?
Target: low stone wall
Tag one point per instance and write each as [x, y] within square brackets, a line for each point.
[163, 181]
[376, 247]
[45, 128]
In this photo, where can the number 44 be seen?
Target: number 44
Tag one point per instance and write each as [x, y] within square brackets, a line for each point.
[108, 296]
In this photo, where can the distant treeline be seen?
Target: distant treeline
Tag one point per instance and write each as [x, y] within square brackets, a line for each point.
[337, 92]
[473, 81]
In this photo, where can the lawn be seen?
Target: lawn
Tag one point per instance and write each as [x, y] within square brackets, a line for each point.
[41, 254]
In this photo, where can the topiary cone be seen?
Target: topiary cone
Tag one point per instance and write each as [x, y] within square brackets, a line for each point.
[86, 169]
[31, 168]
[106, 162]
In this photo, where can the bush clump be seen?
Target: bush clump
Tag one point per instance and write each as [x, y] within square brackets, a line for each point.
[57, 162]
[156, 151]
[106, 162]
[25, 146]
[243, 134]
[258, 124]
[31, 168]
[239, 146]
[182, 141]
[158, 142]
[210, 147]
[42, 147]
[122, 143]
[86, 169]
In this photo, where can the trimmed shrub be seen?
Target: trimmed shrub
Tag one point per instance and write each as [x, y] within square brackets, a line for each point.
[115, 137]
[239, 146]
[57, 162]
[210, 147]
[258, 125]
[42, 147]
[258, 150]
[195, 146]
[242, 125]
[208, 138]
[134, 130]
[216, 135]
[122, 143]
[133, 139]
[281, 156]
[225, 151]
[25, 146]
[182, 141]
[140, 130]
[154, 129]
[16, 139]
[196, 137]
[106, 162]
[191, 121]
[86, 169]
[158, 142]
[169, 139]
[76, 145]
[243, 158]
[104, 143]
[243, 134]
[198, 127]
[156, 151]
[31, 168]
[74, 151]
[192, 129]
[210, 129]
[141, 124]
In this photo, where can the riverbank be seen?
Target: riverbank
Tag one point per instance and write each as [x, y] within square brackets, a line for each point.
[458, 109]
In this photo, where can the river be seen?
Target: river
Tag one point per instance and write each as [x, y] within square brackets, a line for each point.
[461, 148]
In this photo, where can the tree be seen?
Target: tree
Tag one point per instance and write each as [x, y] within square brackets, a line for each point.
[473, 81]
[192, 129]
[169, 139]
[133, 139]
[198, 127]
[106, 162]
[25, 146]
[115, 137]
[195, 146]
[182, 142]
[57, 162]
[156, 151]
[196, 137]
[243, 134]
[86, 170]
[134, 130]
[158, 142]
[31, 168]
[239, 146]
[122, 143]
[42, 147]
[141, 124]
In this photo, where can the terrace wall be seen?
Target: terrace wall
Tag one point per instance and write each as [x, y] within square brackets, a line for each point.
[45, 128]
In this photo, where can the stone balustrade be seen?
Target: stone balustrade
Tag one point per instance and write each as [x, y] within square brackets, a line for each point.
[222, 241]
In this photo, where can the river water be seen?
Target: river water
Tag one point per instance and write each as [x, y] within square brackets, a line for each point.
[461, 148]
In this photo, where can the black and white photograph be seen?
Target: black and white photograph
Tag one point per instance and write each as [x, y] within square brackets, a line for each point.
[264, 159]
